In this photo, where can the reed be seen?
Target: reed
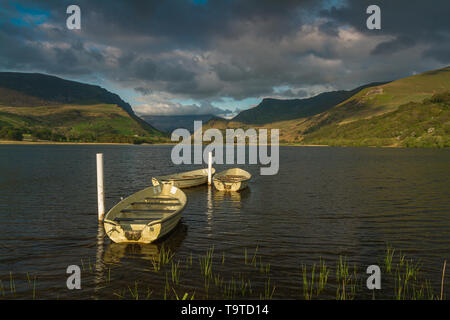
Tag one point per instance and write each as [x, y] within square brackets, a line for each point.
[166, 287]
[185, 296]
[254, 257]
[34, 288]
[206, 263]
[134, 292]
[442, 280]
[308, 285]
[406, 276]
[268, 291]
[229, 289]
[349, 281]
[218, 280]
[388, 258]
[165, 256]
[120, 295]
[12, 284]
[314, 287]
[175, 271]
[243, 285]
[323, 276]
[264, 268]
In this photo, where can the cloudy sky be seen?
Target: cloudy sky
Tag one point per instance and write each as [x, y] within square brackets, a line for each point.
[220, 56]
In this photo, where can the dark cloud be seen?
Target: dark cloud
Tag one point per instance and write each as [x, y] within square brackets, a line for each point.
[409, 22]
[184, 49]
[143, 91]
[391, 46]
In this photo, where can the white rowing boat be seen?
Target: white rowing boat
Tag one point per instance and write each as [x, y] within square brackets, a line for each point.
[185, 179]
[146, 215]
[231, 180]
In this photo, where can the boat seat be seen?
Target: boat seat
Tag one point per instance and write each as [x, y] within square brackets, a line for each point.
[173, 202]
[146, 210]
[137, 219]
[160, 198]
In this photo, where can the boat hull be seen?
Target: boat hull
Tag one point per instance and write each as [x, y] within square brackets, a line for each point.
[231, 180]
[146, 216]
[230, 186]
[184, 180]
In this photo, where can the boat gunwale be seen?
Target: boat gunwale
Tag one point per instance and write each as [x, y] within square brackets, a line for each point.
[217, 176]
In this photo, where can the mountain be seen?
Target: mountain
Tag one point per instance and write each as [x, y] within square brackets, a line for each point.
[406, 112]
[272, 110]
[50, 108]
[412, 111]
[413, 124]
[170, 123]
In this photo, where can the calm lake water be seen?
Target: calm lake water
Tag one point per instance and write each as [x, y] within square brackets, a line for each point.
[324, 203]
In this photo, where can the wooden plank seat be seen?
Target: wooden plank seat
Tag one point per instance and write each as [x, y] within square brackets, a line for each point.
[160, 198]
[147, 210]
[173, 202]
[137, 219]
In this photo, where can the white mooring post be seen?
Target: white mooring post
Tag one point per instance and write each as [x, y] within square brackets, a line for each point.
[100, 191]
[209, 167]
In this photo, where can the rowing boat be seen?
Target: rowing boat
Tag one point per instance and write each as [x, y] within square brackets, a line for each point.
[146, 215]
[185, 179]
[231, 180]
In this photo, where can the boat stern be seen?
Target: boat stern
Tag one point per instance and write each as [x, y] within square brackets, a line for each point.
[132, 233]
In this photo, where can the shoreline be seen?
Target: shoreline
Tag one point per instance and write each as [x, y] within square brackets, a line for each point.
[11, 142]
[7, 142]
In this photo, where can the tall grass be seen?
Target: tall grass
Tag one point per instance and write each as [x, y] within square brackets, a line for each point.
[181, 280]
[164, 257]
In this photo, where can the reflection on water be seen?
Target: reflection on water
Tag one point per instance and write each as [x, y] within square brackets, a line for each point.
[99, 264]
[233, 198]
[115, 252]
[324, 202]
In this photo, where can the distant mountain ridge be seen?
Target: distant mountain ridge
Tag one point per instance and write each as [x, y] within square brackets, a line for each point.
[272, 110]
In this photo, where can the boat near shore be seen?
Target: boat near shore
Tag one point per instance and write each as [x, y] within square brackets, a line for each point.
[231, 180]
[186, 179]
[146, 215]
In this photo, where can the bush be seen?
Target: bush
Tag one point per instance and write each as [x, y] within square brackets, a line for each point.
[9, 133]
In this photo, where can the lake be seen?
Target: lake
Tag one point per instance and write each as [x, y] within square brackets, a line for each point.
[325, 205]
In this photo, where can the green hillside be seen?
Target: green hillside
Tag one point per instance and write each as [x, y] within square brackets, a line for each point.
[387, 98]
[408, 112]
[74, 112]
[413, 124]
